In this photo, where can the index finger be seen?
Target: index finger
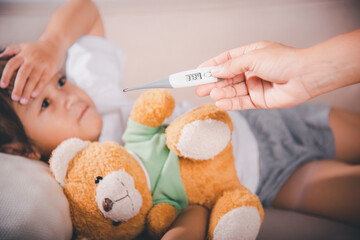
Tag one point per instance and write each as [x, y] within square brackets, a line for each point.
[205, 89]
[208, 63]
[11, 66]
[223, 57]
[234, 53]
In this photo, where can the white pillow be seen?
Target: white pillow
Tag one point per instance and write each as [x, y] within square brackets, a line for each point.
[32, 204]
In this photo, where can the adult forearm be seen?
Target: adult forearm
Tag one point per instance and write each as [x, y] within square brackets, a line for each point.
[71, 21]
[333, 64]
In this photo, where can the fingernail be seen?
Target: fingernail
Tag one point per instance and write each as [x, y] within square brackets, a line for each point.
[15, 97]
[217, 93]
[34, 94]
[2, 85]
[23, 100]
[222, 104]
[217, 70]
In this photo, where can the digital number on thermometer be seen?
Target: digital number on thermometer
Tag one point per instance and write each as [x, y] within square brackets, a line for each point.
[193, 77]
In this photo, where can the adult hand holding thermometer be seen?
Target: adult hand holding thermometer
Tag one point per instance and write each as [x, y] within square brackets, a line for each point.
[181, 79]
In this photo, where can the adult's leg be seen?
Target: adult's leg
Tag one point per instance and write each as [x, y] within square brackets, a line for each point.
[327, 188]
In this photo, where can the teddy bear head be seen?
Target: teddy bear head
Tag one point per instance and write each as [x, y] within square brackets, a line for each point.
[107, 189]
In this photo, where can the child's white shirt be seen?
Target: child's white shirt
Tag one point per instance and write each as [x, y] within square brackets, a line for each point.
[96, 65]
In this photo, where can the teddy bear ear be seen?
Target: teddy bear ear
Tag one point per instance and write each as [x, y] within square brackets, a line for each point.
[62, 155]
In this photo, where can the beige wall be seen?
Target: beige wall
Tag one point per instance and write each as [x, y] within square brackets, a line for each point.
[161, 37]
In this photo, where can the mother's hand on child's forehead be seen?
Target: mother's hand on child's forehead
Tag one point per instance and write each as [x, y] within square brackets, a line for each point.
[34, 64]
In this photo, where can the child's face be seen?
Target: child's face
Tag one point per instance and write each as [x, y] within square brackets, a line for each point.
[61, 111]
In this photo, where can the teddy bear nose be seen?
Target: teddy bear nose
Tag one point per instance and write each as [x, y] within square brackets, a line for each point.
[107, 204]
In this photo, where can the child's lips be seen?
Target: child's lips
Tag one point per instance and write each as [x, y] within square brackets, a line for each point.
[83, 111]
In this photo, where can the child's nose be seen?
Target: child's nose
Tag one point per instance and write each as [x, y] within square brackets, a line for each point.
[70, 99]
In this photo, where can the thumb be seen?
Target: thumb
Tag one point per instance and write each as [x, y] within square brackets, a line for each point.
[234, 67]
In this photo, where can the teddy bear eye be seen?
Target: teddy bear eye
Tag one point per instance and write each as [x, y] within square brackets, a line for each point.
[98, 179]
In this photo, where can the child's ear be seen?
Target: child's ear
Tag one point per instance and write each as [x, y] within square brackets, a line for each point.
[62, 155]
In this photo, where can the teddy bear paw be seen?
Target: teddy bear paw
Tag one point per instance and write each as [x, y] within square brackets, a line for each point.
[240, 223]
[203, 139]
[153, 107]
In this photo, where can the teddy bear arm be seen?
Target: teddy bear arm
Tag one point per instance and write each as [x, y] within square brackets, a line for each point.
[153, 107]
[159, 219]
[200, 134]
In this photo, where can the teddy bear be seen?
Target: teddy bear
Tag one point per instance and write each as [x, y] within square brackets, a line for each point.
[115, 192]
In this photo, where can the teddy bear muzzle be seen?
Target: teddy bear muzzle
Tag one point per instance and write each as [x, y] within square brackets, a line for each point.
[117, 198]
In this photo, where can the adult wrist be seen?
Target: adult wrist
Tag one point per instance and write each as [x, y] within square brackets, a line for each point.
[332, 64]
[324, 71]
[55, 41]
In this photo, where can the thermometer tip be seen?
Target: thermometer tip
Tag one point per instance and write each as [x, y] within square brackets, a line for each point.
[125, 89]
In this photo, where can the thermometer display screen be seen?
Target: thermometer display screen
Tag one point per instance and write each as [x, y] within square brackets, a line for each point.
[193, 77]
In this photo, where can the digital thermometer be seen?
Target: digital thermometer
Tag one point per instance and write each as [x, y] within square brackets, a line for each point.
[181, 79]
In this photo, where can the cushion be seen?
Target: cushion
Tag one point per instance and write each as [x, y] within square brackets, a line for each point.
[32, 204]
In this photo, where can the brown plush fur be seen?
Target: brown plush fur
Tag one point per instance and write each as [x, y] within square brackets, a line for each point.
[204, 180]
[99, 159]
[157, 223]
[207, 111]
[212, 183]
[232, 199]
[153, 113]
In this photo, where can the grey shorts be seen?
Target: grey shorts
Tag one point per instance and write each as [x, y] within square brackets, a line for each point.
[288, 138]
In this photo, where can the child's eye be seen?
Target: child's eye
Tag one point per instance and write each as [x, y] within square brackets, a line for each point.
[61, 81]
[45, 104]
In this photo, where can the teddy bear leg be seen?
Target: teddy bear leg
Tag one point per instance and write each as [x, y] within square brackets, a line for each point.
[200, 134]
[237, 214]
[153, 107]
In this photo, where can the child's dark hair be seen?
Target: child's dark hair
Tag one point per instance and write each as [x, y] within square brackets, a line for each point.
[11, 128]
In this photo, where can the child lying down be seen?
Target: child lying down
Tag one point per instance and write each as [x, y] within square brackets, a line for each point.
[288, 157]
